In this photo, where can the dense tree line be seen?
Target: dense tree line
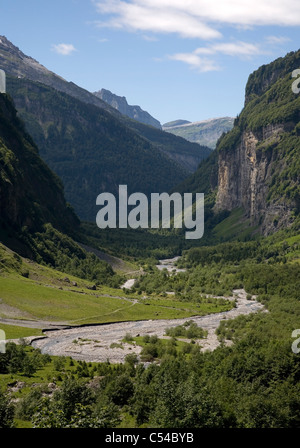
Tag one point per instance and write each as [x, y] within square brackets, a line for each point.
[53, 248]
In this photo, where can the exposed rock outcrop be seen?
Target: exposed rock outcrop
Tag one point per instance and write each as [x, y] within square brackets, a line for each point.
[258, 161]
[244, 177]
[120, 103]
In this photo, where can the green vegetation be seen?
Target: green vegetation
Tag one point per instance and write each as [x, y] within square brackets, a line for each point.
[40, 302]
[34, 217]
[205, 179]
[271, 103]
[260, 80]
[54, 392]
[190, 289]
[252, 383]
[186, 152]
[31, 193]
[51, 247]
[142, 246]
[19, 332]
[51, 295]
[234, 226]
[271, 116]
[53, 304]
[155, 349]
[189, 330]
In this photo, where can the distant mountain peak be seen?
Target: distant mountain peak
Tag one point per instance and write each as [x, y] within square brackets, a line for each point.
[120, 103]
[204, 132]
[173, 124]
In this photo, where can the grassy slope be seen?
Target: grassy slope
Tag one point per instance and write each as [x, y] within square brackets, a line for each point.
[46, 295]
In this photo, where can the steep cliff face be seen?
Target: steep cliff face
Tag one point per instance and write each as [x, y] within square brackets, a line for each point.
[258, 161]
[30, 194]
[244, 180]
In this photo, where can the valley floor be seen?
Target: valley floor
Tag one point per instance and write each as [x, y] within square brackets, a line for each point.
[92, 343]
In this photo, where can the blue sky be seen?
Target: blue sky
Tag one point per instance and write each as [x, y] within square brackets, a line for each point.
[177, 59]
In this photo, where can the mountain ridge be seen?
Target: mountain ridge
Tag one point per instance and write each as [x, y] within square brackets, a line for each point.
[14, 62]
[120, 103]
[90, 150]
[20, 66]
[204, 132]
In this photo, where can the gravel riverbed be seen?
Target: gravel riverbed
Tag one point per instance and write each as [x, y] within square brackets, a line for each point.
[93, 343]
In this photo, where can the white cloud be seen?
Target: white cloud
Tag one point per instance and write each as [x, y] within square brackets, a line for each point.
[150, 38]
[64, 49]
[140, 16]
[196, 18]
[201, 19]
[196, 62]
[242, 49]
[197, 59]
[277, 40]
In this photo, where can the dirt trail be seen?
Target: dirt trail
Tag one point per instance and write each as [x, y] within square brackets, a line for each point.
[93, 343]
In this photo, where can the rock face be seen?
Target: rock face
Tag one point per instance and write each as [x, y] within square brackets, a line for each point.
[258, 161]
[120, 103]
[243, 180]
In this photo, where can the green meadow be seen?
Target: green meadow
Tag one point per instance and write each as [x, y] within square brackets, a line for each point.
[38, 293]
[18, 332]
[33, 301]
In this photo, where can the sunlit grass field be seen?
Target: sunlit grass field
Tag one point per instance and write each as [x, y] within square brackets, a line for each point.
[33, 301]
[46, 295]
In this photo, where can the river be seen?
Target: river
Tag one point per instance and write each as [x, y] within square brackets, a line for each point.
[170, 265]
[93, 343]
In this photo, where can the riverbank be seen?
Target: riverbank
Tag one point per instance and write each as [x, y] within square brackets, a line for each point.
[93, 343]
